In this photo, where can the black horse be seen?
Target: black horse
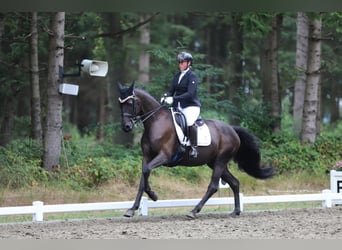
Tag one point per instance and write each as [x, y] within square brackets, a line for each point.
[160, 143]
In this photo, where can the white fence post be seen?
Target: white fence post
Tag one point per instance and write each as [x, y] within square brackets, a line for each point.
[221, 185]
[38, 215]
[143, 208]
[241, 201]
[327, 202]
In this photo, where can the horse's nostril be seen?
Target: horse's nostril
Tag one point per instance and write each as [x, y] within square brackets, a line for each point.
[127, 127]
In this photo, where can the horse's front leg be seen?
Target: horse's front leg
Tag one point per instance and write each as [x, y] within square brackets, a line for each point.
[130, 212]
[157, 161]
[144, 183]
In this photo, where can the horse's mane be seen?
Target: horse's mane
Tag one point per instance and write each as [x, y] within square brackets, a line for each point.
[145, 95]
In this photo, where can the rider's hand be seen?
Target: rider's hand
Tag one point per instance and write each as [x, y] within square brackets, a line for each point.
[162, 99]
[169, 100]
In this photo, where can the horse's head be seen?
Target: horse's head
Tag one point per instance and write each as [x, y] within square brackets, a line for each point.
[130, 106]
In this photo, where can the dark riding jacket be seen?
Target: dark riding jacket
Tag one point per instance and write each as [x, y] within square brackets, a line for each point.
[184, 92]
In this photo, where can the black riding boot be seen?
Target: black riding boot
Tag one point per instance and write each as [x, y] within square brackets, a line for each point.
[193, 141]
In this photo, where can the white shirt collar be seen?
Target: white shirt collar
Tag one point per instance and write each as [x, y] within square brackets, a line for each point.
[182, 74]
[184, 71]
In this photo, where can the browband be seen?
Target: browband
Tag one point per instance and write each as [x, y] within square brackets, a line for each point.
[127, 98]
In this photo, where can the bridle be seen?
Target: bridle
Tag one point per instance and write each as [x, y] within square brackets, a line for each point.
[131, 116]
[135, 118]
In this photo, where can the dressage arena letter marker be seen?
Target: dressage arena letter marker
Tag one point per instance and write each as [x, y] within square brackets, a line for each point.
[339, 186]
[336, 183]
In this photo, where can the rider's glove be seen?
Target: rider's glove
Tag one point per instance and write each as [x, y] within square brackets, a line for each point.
[166, 99]
[169, 100]
[162, 99]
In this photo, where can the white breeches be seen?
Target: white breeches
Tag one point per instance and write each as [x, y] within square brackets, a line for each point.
[191, 114]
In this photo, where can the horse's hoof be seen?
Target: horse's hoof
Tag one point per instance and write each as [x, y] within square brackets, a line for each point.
[191, 215]
[153, 196]
[234, 214]
[129, 213]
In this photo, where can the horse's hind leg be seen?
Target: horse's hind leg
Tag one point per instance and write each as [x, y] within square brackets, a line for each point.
[212, 188]
[234, 184]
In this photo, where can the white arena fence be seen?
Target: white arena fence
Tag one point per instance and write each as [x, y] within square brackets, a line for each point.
[38, 209]
[328, 197]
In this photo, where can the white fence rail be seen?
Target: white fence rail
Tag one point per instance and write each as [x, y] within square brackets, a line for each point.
[38, 209]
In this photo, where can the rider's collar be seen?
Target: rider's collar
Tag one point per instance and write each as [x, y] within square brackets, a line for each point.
[186, 70]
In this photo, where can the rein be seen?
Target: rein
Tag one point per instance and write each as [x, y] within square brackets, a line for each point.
[146, 116]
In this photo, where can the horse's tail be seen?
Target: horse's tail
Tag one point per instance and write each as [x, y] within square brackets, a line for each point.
[248, 156]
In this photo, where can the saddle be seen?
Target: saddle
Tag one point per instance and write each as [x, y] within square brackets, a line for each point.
[203, 133]
[179, 121]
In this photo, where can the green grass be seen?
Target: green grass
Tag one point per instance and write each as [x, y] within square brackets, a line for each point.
[64, 216]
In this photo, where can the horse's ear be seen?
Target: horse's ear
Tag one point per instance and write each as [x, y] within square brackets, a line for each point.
[119, 86]
[131, 88]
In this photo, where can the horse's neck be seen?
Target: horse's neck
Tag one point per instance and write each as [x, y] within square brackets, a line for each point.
[149, 106]
[147, 101]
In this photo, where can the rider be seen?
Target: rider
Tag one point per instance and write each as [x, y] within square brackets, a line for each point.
[182, 94]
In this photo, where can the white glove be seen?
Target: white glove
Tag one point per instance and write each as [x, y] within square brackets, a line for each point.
[162, 99]
[168, 100]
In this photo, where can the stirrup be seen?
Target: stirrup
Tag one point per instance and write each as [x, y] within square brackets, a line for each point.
[193, 152]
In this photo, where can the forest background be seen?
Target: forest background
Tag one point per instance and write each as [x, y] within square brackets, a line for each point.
[277, 74]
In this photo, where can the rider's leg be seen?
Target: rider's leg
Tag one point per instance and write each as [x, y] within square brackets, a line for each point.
[193, 141]
[191, 114]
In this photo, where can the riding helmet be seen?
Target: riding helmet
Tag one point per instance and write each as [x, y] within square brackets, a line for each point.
[184, 56]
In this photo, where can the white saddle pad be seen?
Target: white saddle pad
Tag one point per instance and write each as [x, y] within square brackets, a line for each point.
[203, 134]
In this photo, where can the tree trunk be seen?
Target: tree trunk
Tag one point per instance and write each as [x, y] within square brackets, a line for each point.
[144, 57]
[270, 78]
[319, 108]
[311, 101]
[235, 81]
[331, 106]
[101, 111]
[116, 73]
[301, 67]
[9, 107]
[53, 127]
[334, 108]
[9, 102]
[36, 126]
[217, 51]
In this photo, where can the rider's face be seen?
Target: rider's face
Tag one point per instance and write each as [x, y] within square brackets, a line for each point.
[183, 65]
